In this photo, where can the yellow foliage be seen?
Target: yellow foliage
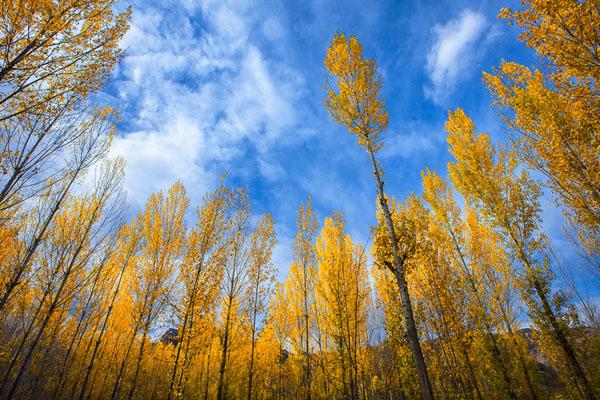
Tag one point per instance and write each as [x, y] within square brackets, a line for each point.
[353, 100]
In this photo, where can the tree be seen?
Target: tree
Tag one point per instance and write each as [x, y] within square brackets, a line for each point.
[200, 274]
[343, 290]
[54, 54]
[300, 288]
[261, 276]
[127, 248]
[553, 114]
[355, 103]
[91, 144]
[510, 200]
[280, 322]
[491, 264]
[471, 267]
[163, 234]
[248, 252]
[78, 237]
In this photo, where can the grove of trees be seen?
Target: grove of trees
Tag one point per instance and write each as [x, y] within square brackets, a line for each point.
[164, 306]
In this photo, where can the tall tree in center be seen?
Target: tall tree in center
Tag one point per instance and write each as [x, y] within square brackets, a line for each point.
[354, 101]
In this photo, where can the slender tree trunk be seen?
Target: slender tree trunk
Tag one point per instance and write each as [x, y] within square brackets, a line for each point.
[251, 368]
[208, 367]
[280, 368]
[56, 299]
[83, 357]
[560, 337]
[54, 335]
[307, 332]
[103, 329]
[187, 358]
[22, 343]
[115, 390]
[22, 267]
[177, 355]
[472, 375]
[253, 343]
[398, 271]
[75, 342]
[113, 356]
[189, 309]
[522, 363]
[135, 331]
[138, 364]
[25, 363]
[496, 355]
[413, 338]
[582, 382]
[224, 350]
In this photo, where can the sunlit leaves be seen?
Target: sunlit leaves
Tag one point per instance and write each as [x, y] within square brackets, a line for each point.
[353, 97]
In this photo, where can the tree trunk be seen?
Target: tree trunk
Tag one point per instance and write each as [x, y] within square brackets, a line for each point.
[253, 344]
[220, 388]
[398, 271]
[522, 363]
[496, 355]
[35, 342]
[75, 340]
[251, 368]
[140, 357]
[208, 367]
[307, 350]
[103, 329]
[16, 278]
[115, 390]
[584, 385]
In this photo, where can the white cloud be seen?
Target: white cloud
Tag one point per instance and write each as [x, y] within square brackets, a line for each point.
[457, 46]
[271, 171]
[155, 160]
[410, 145]
[196, 90]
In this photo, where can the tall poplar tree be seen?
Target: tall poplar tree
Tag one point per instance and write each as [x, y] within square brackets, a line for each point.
[300, 288]
[510, 200]
[354, 101]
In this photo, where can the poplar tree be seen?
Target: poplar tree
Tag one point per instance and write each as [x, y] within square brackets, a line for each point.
[510, 200]
[354, 101]
[343, 290]
[552, 113]
[300, 289]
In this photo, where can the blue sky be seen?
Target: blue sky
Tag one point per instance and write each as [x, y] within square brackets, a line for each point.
[213, 87]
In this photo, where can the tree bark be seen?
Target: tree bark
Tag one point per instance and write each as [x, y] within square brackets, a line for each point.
[220, 388]
[584, 385]
[398, 271]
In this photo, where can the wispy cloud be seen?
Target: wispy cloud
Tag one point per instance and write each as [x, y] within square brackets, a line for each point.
[197, 91]
[458, 44]
[418, 142]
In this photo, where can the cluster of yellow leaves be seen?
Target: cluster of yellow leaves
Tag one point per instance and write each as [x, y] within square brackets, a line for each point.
[566, 32]
[53, 51]
[354, 99]
[489, 180]
[557, 133]
[555, 114]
